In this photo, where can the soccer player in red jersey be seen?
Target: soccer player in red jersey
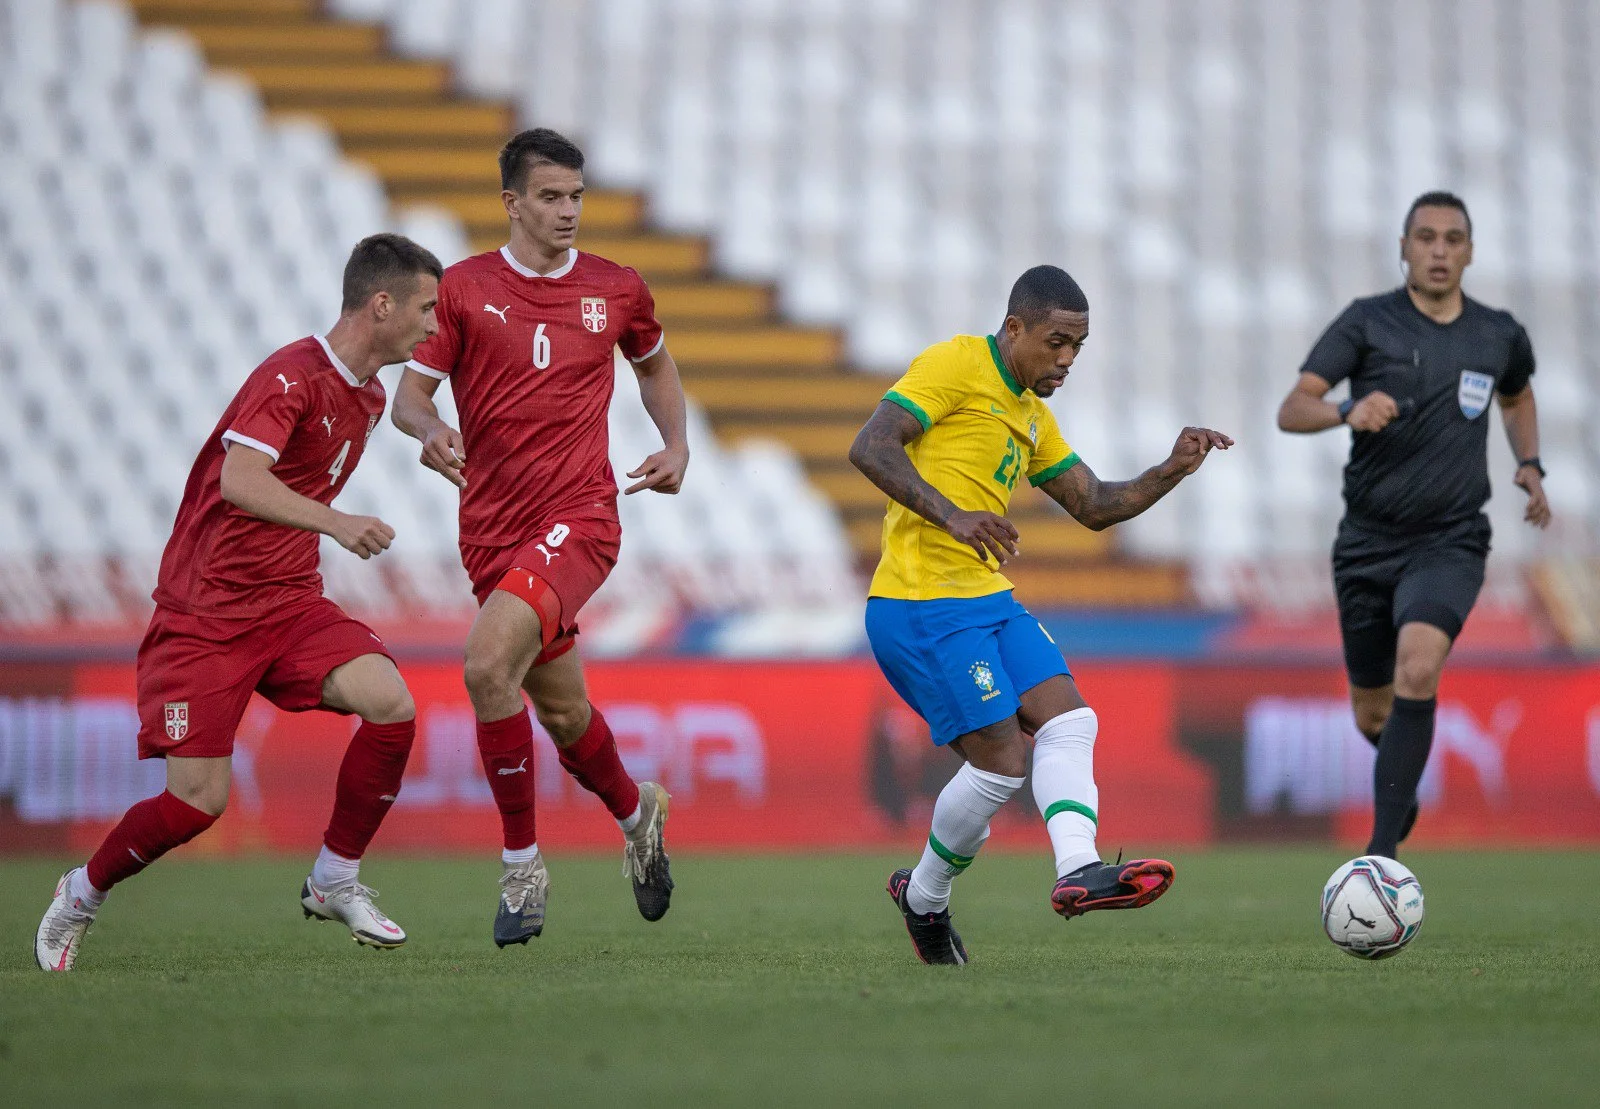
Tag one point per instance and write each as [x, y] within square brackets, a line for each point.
[526, 335]
[239, 605]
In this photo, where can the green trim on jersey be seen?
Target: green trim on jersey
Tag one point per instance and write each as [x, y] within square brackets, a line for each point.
[960, 862]
[910, 406]
[999, 364]
[1059, 468]
[1059, 807]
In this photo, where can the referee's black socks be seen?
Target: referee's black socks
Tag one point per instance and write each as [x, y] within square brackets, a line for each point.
[1403, 750]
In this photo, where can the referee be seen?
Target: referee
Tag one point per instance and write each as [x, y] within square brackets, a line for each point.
[1422, 362]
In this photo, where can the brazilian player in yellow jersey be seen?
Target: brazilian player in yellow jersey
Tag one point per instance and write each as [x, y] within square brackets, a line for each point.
[949, 444]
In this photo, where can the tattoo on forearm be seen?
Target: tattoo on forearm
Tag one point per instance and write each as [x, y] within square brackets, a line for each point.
[1117, 501]
[1098, 504]
[886, 465]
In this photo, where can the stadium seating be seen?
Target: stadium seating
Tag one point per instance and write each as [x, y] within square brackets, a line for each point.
[159, 235]
[1222, 179]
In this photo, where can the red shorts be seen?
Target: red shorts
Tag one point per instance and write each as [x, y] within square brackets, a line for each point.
[573, 553]
[196, 673]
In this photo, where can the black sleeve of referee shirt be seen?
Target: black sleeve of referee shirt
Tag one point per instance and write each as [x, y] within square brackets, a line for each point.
[1519, 364]
[1339, 352]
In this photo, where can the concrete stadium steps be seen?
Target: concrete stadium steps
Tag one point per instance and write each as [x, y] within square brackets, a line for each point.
[755, 376]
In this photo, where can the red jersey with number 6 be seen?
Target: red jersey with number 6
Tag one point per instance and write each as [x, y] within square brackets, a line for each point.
[529, 360]
[306, 410]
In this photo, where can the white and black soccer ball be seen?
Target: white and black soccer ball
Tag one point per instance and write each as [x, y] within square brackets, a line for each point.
[1372, 907]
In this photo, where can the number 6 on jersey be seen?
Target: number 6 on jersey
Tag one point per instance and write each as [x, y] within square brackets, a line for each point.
[541, 349]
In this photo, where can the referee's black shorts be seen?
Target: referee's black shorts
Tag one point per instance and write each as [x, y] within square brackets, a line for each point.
[1385, 581]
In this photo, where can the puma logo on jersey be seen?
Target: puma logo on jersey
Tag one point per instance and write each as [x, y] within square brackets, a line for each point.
[520, 768]
[286, 382]
[549, 556]
[328, 422]
[501, 312]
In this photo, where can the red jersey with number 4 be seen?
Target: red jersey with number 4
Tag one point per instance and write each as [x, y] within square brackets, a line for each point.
[529, 360]
[303, 407]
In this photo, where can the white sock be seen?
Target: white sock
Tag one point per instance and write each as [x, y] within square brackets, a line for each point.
[960, 825]
[631, 821]
[83, 891]
[521, 855]
[1064, 789]
[332, 871]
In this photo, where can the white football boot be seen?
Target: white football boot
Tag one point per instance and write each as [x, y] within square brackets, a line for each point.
[524, 891]
[60, 935]
[352, 906]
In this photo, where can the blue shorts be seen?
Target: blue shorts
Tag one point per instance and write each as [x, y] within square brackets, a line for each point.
[961, 662]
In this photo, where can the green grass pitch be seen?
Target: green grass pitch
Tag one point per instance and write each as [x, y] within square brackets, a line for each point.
[790, 981]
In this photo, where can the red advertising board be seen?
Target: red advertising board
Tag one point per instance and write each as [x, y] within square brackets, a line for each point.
[823, 756]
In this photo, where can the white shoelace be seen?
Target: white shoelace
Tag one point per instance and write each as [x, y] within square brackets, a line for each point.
[640, 853]
[65, 924]
[517, 884]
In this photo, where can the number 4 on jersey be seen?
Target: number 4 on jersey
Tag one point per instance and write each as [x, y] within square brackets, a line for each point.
[338, 464]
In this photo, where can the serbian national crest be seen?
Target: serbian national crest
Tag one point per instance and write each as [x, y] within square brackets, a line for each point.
[594, 314]
[177, 720]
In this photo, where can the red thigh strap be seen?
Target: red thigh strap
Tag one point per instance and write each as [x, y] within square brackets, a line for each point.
[540, 597]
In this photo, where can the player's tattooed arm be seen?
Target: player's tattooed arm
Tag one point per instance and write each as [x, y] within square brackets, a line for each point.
[879, 452]
[248, 483]
[415, 414]
[1098, 504]
[661, 390]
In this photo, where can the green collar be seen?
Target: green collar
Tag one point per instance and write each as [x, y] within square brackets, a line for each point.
[999, 364]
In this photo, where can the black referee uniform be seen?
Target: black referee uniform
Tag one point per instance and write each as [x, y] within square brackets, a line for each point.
[1413, 541]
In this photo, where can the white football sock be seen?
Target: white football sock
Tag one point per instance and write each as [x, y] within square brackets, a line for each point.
[331, 871]
[521, 855]
[83, 890]
[1064, 789]
[631, 822]
[960, 825]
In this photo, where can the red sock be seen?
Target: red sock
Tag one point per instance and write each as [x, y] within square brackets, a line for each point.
[147, 831]
[506, 747]
[594, 762]
[369, 780]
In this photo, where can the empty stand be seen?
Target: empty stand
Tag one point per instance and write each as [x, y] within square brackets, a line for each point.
[162, 229]
[1222, 179]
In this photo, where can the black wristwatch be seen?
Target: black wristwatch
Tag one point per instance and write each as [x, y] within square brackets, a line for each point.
[1344, 409]
[1534, 462]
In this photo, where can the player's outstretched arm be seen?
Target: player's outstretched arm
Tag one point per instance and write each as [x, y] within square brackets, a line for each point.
[1098, 504]
[248, 483]
[662, 392]
[415, 414]
[879, 452]
[1521, 416]
[1305, 411]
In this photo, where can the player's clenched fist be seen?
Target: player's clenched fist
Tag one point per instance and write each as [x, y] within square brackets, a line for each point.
[1373, 412]
[362, 535]
[1193, 444]
[985, 533]
[443, 451]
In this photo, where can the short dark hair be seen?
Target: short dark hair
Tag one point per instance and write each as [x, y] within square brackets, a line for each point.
[385, 263]
[1436, 199]
[531, 148]
[1043, 290]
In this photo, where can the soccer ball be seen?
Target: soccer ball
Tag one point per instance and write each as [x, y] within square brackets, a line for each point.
[1372, 907]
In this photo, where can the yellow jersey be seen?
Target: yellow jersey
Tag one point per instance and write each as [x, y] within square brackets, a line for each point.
[981, 431]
